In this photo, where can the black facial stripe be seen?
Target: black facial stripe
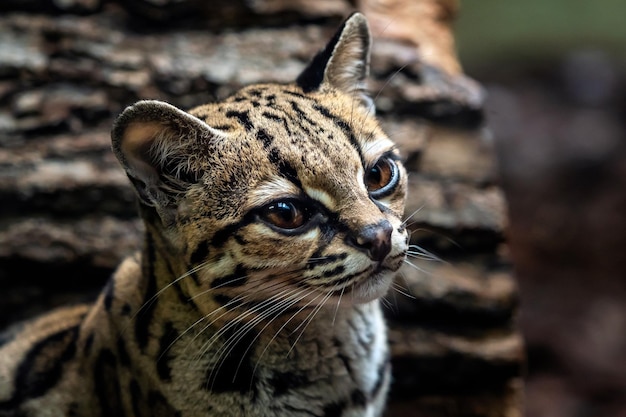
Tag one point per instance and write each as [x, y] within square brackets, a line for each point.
[398, 256]
[265, 138]
[200, 253]
[229, 303]
[285, 168]
[242, 117]
[318, 259]
[273, 117]
[176, 284]
[344, 126]
[194, 276]
[222, 235]
[335, 271]
[88, 344]
[301, 113]
[236, 279]
[344, 279]
[383, 208]
[220, 127]
[293, 93]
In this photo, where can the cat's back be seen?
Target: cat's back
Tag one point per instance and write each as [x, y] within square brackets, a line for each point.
[34, 358]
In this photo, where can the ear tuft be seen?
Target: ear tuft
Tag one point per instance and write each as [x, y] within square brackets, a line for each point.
[344, 62]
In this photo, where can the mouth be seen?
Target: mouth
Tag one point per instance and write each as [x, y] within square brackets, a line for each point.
[370, 283]
[376, 282]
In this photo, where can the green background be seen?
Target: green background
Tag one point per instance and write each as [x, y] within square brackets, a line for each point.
[506, 32]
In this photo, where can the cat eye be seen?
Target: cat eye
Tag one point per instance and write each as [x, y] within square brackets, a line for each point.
[382, 177]
[287, 215]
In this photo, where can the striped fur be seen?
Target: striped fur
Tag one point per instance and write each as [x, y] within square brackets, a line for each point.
[273, 226]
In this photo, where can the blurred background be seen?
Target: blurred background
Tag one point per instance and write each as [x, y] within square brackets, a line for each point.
[555, 75]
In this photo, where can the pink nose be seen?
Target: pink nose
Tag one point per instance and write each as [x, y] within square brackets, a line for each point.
[375, 240]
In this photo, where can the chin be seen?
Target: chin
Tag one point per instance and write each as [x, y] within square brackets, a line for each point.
[373, 287]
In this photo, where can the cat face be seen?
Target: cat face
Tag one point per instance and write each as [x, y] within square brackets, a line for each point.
[287, 192]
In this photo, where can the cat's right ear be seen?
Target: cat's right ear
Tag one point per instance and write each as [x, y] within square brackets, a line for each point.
[156, 142]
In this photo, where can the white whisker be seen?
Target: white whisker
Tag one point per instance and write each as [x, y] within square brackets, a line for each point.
[152, 299]
[309, 292]
[310, 318]
[425, 271]
[338, 303]
[404, 223]
[399, 289]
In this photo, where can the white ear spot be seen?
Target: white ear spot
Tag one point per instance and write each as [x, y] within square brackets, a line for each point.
[136, 144]
[138, 135]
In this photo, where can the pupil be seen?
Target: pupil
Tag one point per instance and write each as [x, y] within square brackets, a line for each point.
[285, 211]
[375, 175]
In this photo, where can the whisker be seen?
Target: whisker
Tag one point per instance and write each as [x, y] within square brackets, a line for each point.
[224, 307]
[232, 342]
[224, 284]
[286, 323]
[425, 271]
[152, 299]
[404, 223]
[246, 313]
[420, 256]
[309, 320]
[389, 79]
[399, 289]
[386, 303]
[180, 336]
[243, 315]
[417, 251]
[338, 303]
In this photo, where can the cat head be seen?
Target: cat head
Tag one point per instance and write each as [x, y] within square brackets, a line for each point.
[281, 190]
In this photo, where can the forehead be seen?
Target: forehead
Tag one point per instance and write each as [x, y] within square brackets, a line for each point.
[320, 141]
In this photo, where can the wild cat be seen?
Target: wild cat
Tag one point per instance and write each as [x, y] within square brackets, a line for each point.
[273, 226]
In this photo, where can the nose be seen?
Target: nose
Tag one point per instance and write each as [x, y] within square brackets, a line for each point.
[374, 239]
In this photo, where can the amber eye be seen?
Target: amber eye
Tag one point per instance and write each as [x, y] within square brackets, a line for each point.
[286, 215]
[382, 177]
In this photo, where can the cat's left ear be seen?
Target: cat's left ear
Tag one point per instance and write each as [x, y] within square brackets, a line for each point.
[344, 62]
[158, 145]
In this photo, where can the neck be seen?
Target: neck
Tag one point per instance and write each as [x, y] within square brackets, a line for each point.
[170, 342]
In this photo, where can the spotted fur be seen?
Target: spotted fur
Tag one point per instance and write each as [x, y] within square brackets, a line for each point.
[273, 227]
